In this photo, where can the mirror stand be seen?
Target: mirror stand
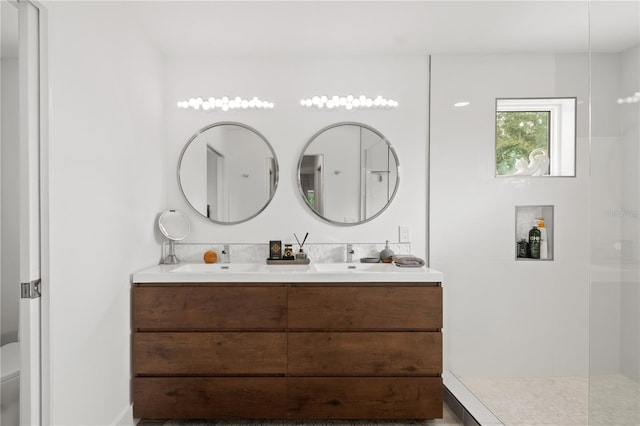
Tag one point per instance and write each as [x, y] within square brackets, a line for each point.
[171, 258]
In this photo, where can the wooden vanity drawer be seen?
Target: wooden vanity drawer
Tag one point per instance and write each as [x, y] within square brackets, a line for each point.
[206, 353]
[210, 397]
[365, 398]
[365, 354]
[188, 307]
[388, 307]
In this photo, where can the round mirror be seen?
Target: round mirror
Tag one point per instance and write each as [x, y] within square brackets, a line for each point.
[174, 225]
[228, 172]
[348, 173]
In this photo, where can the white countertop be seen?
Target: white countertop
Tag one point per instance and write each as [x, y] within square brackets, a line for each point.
[256, 272]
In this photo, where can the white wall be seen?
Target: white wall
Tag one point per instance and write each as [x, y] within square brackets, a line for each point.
[504, 317]
[107, 174]
[10, 201]
[289, 126]
[630, 255]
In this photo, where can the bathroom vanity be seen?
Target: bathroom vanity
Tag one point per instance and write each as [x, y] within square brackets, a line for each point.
[290, 343]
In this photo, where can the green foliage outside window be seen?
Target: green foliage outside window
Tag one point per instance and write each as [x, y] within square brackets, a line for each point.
[517, 134]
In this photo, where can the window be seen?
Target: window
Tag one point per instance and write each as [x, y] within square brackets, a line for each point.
[535, 137]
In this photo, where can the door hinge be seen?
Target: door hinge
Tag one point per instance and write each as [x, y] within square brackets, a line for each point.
[30, 290]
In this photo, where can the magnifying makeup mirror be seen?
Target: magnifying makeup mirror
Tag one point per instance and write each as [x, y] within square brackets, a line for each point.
[175, 226]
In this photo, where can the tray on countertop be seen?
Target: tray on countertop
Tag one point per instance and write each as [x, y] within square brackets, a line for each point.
[288, 261]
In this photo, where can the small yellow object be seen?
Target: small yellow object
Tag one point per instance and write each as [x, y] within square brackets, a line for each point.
[210, 257]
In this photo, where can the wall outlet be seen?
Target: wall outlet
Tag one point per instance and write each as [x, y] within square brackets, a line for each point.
[404, 234]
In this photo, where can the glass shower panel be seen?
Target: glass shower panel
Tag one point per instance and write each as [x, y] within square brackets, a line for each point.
[614, 367]
[10, 214]
[516, 332]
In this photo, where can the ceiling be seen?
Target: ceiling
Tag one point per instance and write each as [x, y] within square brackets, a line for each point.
[268, 28]
[204, 28]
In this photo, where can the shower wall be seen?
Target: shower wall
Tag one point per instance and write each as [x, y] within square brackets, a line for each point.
[505, 317]
[630, 253]
[615, 211]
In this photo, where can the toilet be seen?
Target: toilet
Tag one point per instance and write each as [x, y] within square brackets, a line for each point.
[10, 390]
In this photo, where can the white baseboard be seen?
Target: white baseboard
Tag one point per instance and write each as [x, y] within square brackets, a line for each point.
[126, 417]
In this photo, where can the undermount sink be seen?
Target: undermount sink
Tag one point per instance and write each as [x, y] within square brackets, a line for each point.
[218, 267]
[355, 267]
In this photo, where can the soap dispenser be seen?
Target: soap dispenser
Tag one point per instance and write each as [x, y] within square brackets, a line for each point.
[386, 255]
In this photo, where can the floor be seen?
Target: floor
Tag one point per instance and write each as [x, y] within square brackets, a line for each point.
[449, 419]
[611, 400]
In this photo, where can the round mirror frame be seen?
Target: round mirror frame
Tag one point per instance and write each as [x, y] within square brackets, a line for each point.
[371, 129]
[257, 133]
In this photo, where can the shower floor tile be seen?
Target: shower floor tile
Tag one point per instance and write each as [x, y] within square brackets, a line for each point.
[575, 400]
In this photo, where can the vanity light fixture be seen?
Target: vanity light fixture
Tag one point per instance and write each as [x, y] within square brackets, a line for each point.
[630, 99]
[461, 104]
[348, 102]
[225, 103]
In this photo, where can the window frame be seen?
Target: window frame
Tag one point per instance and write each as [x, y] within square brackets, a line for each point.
[562, 130]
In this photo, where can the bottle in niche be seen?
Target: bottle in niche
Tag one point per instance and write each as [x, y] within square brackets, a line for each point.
[534, 241]
[544, 250]
[523, 248]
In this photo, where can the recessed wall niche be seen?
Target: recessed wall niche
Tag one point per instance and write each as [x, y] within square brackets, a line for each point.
[534, 245]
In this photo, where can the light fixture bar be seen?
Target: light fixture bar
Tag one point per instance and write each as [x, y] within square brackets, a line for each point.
[225, 103]
[348, 102]
[630, 99]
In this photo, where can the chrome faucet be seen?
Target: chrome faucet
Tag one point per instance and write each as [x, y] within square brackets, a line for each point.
[226, 254]
[350, 253]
